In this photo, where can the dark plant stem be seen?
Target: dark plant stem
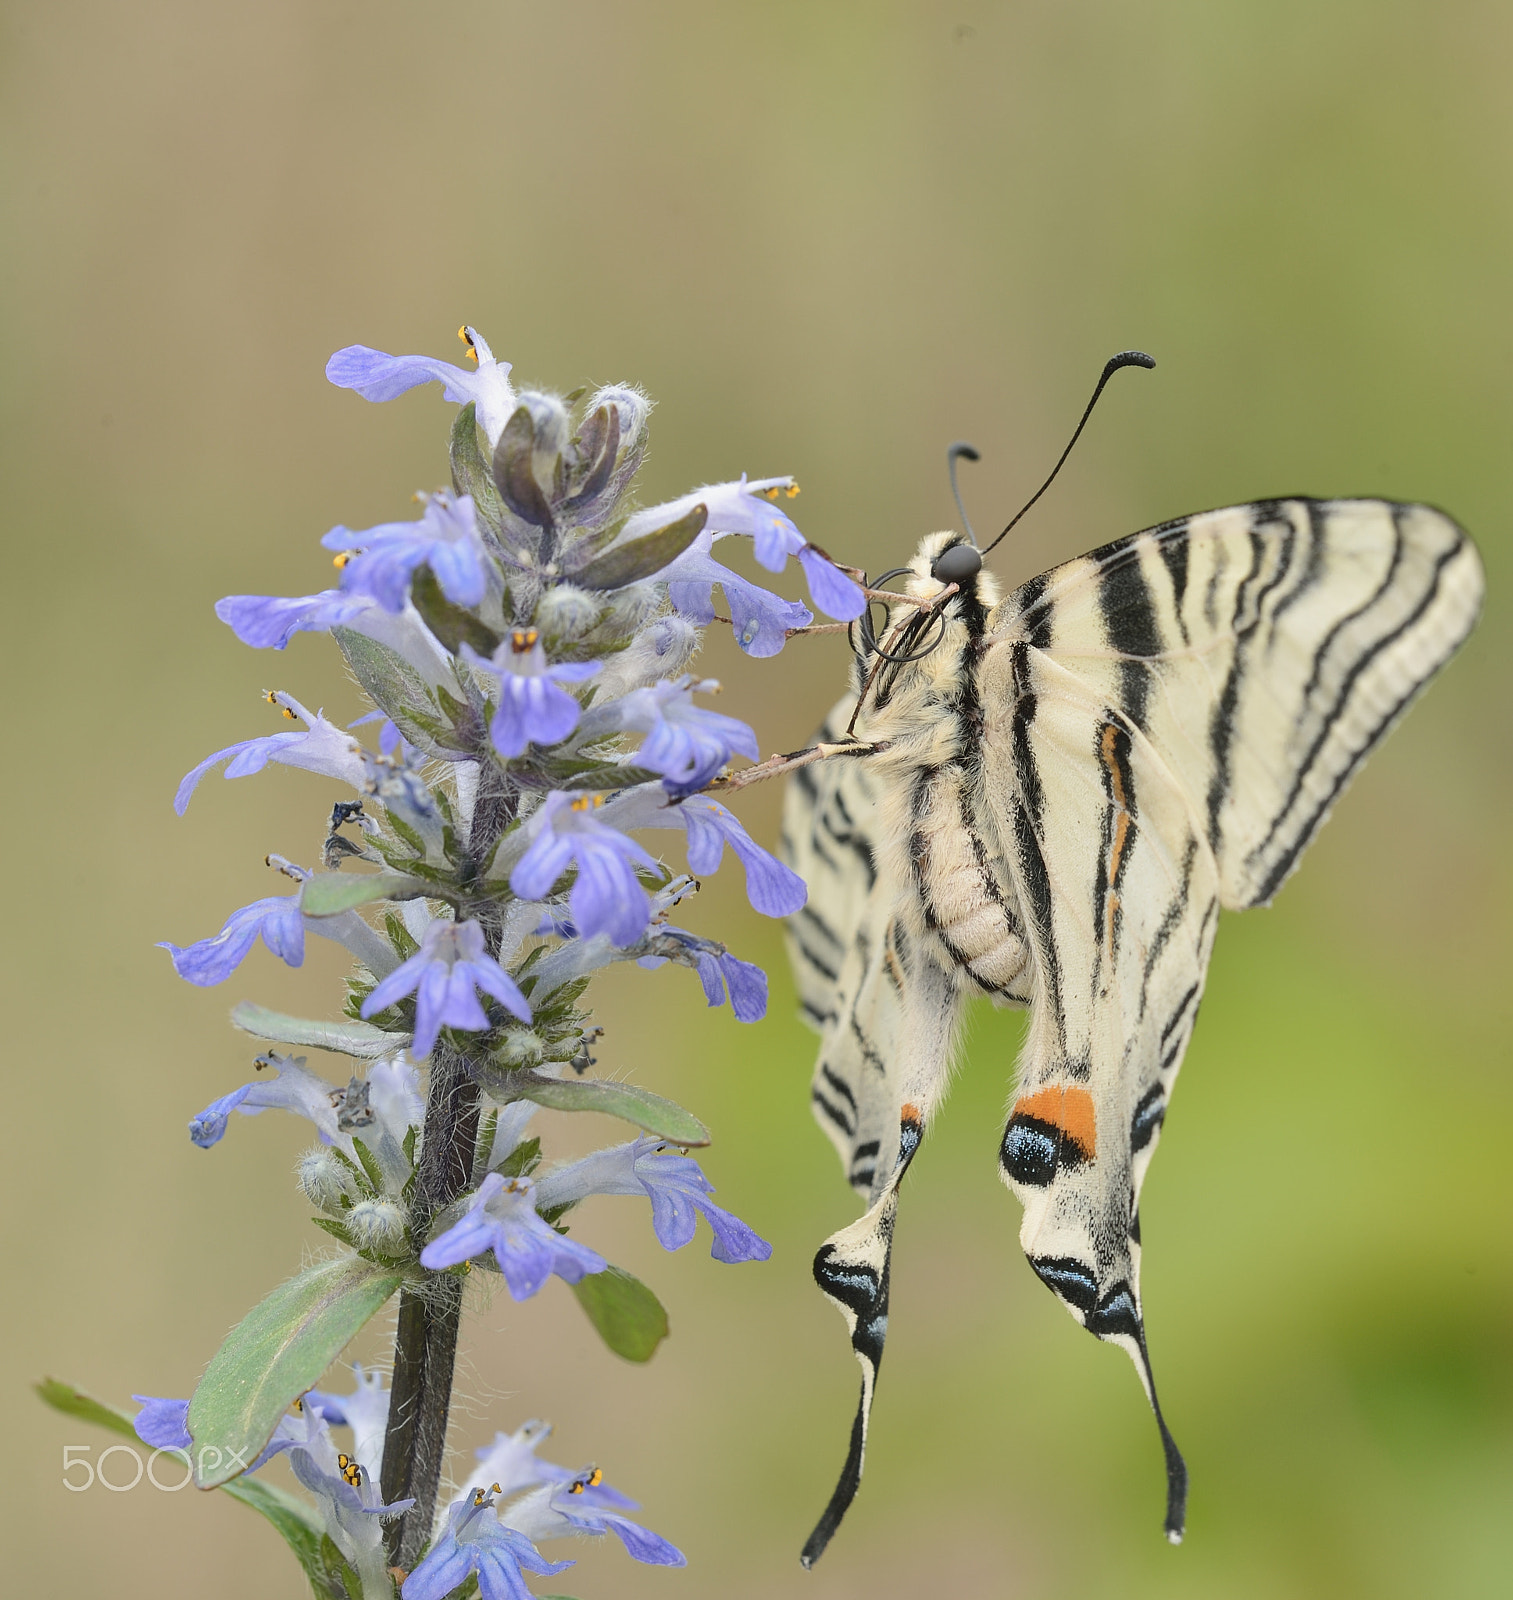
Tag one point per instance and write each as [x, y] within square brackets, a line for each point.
[425, 1349]
[425, 1346]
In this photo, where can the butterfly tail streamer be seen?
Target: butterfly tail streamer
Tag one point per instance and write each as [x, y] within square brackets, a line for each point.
[853, 1268]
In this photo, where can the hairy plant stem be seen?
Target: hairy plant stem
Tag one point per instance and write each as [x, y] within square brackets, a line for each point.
[425, 1349]
[425, 1346]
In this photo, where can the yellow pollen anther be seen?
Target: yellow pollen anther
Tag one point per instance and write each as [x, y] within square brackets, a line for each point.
[341, 558]
[299, 1405]
[577, 1486]
[586, 802]
[494, 1488]
[478, 1497]
[292, 716]
[462, 333]
[523, 639]
[595, 1478]
[771, 494]
[271, 696]
[793, 489]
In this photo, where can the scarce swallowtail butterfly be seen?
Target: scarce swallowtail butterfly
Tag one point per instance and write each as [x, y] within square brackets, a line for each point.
[1046, 798]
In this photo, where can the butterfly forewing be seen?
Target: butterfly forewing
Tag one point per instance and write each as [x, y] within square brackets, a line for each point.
[1266, 649]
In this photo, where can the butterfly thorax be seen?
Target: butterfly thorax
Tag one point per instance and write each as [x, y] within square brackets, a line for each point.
[937, 835]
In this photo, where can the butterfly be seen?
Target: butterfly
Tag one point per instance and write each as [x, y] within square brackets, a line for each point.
[1046, 799]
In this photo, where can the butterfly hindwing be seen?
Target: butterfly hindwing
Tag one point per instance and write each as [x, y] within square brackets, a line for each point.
[886, 1015]
[841, 944]
[1169, 720]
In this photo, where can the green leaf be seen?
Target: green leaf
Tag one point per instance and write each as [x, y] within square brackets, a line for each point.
[407, 836]
[643, 557]
[340, 1578]
[343, 1038]
[589, 772]
[74, 1402]
[597, 446]
[664, 1118]
[522, 1160]
[512, 470]
[470, 472]
[328, 894]
[273, 1355]
[400, 936]
[396, 686]
[450, 623]
[300, 1530]
[371, 1169]
[628, 1316]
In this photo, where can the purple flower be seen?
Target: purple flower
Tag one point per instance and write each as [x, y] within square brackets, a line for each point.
[279, 922]
[718, 971]
[350, 1502]
[772, 888]
[290, 1088]
[282, 925]
[384, 559]
[443, 975]
[606, 896]
[269, 622]
[474, 1540]
[502, 1217]
[557, 1511]
[761, 619]
[510, 1464]
[532, 709]
[345, 1486]
[365, 1411]
[377, 376]
[164, 1424]
[685, 743]
[381, 1110]
[748, 508]
[674, 1183]
[320, 747]
[390, 738]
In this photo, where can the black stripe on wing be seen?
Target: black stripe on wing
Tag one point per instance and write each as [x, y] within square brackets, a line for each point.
[1310, 819]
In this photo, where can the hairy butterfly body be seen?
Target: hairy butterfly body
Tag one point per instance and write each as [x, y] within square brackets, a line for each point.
[1050, 807]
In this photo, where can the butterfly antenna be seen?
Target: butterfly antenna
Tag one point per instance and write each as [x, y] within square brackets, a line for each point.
[1125, 358]
[961, 448]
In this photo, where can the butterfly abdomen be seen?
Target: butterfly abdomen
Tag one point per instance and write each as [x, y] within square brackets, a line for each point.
[968, 909]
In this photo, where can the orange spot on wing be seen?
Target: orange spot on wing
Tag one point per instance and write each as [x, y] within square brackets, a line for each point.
[910, 1113]
[1069, 1110]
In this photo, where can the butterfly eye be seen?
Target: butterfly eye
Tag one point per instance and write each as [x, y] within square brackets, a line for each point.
[956, 564]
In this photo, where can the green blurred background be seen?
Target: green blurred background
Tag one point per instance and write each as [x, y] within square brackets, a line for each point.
[828, 239]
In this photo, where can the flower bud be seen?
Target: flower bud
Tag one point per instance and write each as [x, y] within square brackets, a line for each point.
[660, 650]
[566, 612]
[630, 607]
[552, 423]
[632, 406]
[326, 1179]
[377, 1225]
[522, 1047]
